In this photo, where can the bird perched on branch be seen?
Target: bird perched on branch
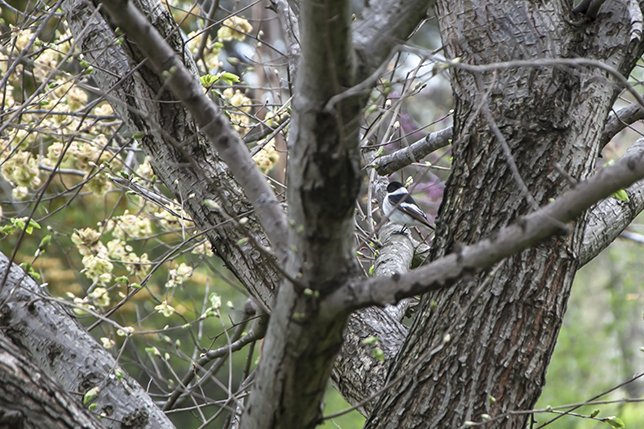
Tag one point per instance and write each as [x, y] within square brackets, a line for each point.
[400, 208]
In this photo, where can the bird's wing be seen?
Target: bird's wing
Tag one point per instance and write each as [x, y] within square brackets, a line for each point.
[407, 205]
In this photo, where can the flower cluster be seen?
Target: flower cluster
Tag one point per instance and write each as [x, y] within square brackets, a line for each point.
[43, 123]
[129, 226]
[239, 115]
[178, 276]
[234, 27]
[169, 221]
[211, 51]
[267, 157]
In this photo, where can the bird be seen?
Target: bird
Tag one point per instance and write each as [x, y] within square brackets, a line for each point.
[401, 209]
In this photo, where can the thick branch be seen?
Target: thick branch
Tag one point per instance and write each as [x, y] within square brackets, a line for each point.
[323, 174]
[386, 24]
[416, 151]
[393, 162]
[192, 169]
[607, 220]
[30, 399]
[529, 231]
[64, 350]
[619, 120]
[213, 124]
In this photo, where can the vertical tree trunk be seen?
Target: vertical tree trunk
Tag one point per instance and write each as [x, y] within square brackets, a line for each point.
[498, 328]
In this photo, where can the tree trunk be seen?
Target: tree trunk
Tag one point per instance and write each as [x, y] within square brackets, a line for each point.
[66, 352]
[492, 335]
[30, 399]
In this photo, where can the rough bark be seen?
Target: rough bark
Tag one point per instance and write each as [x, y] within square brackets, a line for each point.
[301, 343]
[254, 270]
[128, 88]
[357, 373]
[63, 350]
[185, 86]
[180, 156]
[503, 323]
[608, 219]
[30, 399]
[527, 231]
[386, 24]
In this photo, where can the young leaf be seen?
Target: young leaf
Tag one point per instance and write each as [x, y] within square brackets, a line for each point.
[621, 195]
[615, 422]
[90, 395]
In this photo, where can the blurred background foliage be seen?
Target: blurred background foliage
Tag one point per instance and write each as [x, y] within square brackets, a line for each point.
[170, 298]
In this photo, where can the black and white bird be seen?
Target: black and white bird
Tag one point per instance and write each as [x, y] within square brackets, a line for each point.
[400, 208]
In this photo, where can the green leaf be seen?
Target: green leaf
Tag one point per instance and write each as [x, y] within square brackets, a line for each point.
[92, 407]
[90, 395]
[119, 374]
[615, 422]
[45, 242]
[7, 229]
[370, 341]
[372, 269]
[378, 354]
[371, 109]
[18, 223]
[229, 78]
[208, 80]
[621, 195]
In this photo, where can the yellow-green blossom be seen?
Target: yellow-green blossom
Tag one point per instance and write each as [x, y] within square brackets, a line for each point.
[100, 297]
[137, 265]
[234, 27]
[130, 226]
[165, 309]
[178, 275]
[108, 343]
[87, 241]
[117, 249]
[22, 169]
[97, 268]
[267, 157]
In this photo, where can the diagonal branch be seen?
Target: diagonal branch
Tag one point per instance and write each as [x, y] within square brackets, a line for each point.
[393, 162]
[66, 352]
[416, 151]
[213, 124]
[607, 220]
[619, 120]
[529, 231]
[386, 24]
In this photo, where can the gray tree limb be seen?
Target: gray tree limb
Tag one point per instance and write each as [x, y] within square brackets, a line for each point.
[64, 350]
[503, 321]
[528, 231]
[191, 169]
[385, 25]
[187, 88]
[30, 399]
[619, 120]
[388, 164]
[301, 343]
